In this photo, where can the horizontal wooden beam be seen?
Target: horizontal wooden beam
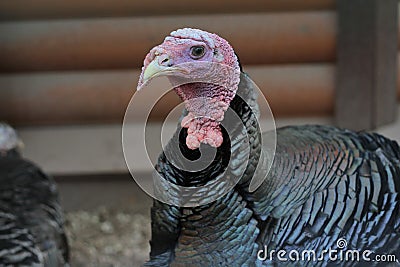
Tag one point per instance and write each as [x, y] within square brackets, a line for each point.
[102, 96]
[56, 9]
[123, 43]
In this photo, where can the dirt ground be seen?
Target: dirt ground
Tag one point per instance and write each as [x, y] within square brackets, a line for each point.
[107, 237]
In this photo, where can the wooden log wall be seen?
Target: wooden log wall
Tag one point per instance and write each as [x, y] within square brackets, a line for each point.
[78, 61]
[58, 9]
[123, 42]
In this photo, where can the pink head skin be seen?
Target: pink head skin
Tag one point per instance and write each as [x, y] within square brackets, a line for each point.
[184, 51]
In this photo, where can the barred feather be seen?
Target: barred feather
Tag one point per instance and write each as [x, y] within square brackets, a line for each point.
[31, 220]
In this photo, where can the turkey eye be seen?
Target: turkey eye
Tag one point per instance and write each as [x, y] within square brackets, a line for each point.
[197, 52]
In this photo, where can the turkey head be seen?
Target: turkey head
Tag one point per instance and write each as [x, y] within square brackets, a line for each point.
[211, 72]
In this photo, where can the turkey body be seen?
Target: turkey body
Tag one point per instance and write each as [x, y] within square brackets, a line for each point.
[332, 184]
[31, 220]
[325, 184]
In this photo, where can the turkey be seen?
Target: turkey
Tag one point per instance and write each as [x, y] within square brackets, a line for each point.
[31, 220]
[325, 185]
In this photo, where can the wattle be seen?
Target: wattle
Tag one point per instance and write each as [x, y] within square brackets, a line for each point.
[206, 104]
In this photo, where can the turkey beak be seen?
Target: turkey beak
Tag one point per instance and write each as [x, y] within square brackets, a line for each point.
[160, 65]
[152, 70]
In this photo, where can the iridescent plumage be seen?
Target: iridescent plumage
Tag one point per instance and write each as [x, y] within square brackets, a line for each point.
[325, 184]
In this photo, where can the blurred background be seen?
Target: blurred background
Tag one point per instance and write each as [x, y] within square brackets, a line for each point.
[69, 68]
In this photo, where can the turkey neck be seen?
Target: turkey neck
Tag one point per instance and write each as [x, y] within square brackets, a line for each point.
[187, 226]
[245, 106]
